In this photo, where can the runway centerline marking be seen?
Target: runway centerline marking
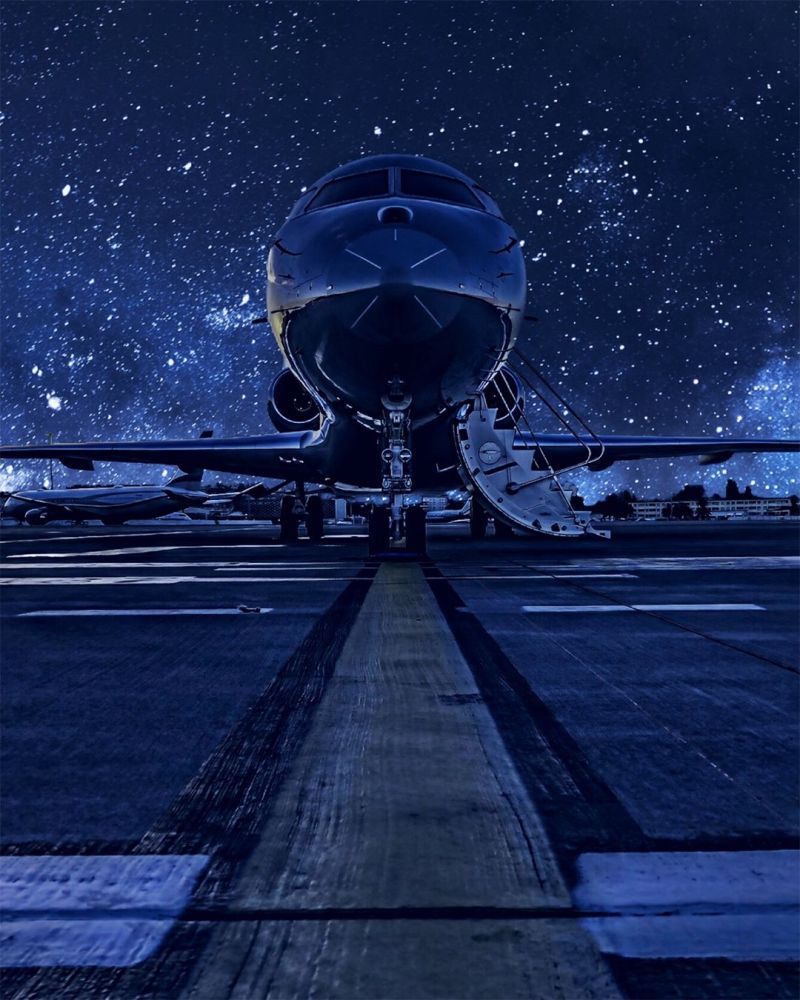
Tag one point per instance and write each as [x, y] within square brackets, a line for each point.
[74, 910]
[591, 608]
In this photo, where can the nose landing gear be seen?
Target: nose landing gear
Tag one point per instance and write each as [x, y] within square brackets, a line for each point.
[396, 529]
[398, 533]
[380, 530]
[416, 540]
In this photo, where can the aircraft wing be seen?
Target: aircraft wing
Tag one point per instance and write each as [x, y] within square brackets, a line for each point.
[274, 456]
[563, 450]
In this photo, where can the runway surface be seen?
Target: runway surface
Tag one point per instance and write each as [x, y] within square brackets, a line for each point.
[523, 768]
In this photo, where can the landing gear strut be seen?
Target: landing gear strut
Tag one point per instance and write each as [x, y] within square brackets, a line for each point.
[314, 523]
[289, 519]
[379, 530]
[415, 530]
[388, 525]
[296, 508]
[502, 530]
[477, 519]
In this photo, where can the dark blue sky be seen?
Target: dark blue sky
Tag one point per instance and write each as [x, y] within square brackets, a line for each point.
[646, 154]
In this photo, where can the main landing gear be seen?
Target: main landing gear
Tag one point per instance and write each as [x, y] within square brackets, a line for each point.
[296, 508]
[479, 522]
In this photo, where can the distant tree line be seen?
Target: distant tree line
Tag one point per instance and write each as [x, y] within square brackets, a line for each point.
[619, 506]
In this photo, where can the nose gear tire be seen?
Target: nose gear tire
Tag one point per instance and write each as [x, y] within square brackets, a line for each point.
[415, 531]
[379, 530]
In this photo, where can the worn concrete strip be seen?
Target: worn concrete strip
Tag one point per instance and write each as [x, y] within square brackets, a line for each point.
[402, 796]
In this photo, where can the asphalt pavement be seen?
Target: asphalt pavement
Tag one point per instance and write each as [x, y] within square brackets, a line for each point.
[517, 768]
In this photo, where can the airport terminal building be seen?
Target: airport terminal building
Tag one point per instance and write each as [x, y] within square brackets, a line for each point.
[718, 507]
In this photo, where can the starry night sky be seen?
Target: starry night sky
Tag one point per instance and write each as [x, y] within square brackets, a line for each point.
[645, 152]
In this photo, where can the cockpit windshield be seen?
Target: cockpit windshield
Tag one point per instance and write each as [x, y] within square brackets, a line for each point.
[421, 184]
[373, 184]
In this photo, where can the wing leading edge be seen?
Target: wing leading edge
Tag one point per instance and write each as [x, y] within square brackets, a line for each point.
[273, 456]
[562, 450]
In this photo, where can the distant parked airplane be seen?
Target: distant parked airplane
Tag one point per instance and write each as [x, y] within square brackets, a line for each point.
[116, 504]
[449, 514]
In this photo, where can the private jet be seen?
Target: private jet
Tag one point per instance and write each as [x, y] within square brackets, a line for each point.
[396, 292]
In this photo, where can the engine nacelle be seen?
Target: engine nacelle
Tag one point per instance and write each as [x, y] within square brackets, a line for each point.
[505, 395]
[35, 517]
[291, 406]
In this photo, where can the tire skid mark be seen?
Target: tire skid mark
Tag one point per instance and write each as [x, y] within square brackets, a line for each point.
[219, 812]
[574, 802]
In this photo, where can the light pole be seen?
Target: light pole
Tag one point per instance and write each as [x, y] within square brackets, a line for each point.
[50, 460]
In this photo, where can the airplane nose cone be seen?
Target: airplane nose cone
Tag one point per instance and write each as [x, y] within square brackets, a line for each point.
[394, 278]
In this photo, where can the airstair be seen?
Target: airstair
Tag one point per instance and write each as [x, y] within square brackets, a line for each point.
[507, 470]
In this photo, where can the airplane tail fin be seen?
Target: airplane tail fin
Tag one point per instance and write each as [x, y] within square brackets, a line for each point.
[191, 477]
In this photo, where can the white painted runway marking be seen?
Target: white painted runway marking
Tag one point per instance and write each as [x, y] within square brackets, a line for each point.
[741, 905]
[255, 568]
[542, 576]
[147, 612]
[591, 608]
[675, 563]
[595, 576]
[84, 538]
[743, 937]
[264, 567]
[155, 581]
[108, 910]
[128, 551]
[133, 550]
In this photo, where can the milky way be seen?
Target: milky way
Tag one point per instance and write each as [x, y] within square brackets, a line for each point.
[645, 153]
